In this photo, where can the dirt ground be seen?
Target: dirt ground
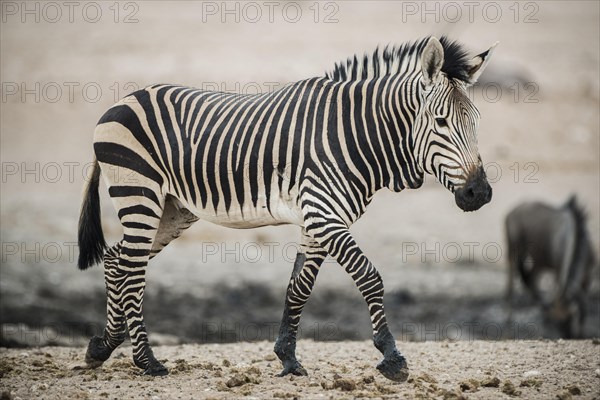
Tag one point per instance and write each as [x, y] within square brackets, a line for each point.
[448, 370]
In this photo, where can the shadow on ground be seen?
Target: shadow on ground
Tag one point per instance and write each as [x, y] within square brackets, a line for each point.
[251, 311]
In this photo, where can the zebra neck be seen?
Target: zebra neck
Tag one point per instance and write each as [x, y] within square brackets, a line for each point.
[377, 119]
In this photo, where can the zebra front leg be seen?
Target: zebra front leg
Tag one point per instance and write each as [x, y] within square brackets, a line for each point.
[100, 348]
[341, 245]
[306, 267]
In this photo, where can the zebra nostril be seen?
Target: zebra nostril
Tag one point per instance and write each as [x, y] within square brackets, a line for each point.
[469, 193]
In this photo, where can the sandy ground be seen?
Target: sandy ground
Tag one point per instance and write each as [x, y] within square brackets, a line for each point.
[448, 370]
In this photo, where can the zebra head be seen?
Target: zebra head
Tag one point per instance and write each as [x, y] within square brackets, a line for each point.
[446, 126]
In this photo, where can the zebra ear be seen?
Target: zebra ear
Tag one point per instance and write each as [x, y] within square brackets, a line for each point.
[477, 64]
[432, 59]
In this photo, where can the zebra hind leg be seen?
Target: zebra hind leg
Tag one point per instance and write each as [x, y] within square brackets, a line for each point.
[306, 268]
[100, 348]
[133, 262]
[140, 217]
[175, 219]
[140, 244]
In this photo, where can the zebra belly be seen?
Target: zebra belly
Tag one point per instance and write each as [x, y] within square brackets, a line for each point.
[281, 212]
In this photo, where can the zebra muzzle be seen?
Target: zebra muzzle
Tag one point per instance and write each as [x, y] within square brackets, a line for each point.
[475, 193]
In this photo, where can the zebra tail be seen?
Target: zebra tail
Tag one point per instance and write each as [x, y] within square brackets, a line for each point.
[90, 236]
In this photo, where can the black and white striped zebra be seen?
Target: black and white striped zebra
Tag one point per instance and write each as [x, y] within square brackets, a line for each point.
[311, 154]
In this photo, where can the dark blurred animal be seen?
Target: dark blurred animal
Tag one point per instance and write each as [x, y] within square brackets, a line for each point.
[542, 238]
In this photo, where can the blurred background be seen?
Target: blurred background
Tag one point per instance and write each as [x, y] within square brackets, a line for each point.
[445, 271]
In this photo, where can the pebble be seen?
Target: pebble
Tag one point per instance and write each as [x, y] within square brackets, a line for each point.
[530, 374]
[598, 373]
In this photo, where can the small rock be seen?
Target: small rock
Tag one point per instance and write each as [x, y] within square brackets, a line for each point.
[531, 382]
[598, 373]
[509, 389]
[250, 375]
[344, 384]
[383, 389]
[236, 380]
[491, 382]
[573, 389]
[452, 395]
[222, 387]
[181, 365]
[530, 374]
[283, 395]
[425, 377]
[226, 363]
[6, 395]
[368, 379]
[564, 396]
[470, 385]
[595, 341]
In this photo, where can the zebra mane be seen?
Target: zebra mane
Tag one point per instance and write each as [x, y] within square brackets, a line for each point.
[396, 59]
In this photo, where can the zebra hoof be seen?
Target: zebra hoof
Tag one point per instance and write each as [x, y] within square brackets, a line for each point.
[295, 368]
[96, 352]
[394, 367]
[155, 368]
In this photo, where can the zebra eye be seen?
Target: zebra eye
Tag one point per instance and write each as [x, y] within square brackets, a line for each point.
[441, 122]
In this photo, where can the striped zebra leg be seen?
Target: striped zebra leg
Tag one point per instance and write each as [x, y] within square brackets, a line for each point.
[100, 348]
[140, 209]
[337, 240]
[133, 261]
[306, 267]
[174, 220]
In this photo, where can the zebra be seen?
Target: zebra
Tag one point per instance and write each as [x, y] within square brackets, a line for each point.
[542, 238]
[312, 153]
